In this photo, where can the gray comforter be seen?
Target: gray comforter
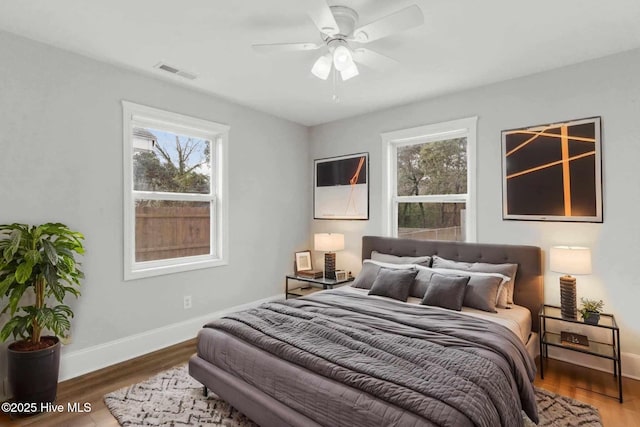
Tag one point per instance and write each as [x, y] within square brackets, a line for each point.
[449, 369]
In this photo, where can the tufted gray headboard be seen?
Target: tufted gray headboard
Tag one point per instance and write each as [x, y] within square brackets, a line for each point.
[528, 289]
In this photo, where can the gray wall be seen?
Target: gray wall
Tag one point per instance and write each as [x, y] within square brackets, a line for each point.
[608, 87]
[61, 160]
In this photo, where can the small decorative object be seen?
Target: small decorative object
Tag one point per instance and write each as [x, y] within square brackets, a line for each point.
[553, 172]
[341, 187]
[569, 260]
[574, 339]
[310, 274]
[329, 243]
[590, 311]
[39, 261]
[341, 275]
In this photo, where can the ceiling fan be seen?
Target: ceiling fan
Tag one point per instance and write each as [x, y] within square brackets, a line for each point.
[342, 39]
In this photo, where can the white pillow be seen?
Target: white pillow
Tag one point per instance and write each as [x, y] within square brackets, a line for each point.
[394, 259]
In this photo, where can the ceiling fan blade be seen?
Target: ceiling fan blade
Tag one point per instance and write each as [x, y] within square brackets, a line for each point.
[396, 22]
[373, 59]
[321, 15]
[285, 47]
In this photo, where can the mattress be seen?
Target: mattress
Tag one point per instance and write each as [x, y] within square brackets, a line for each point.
[330, 402]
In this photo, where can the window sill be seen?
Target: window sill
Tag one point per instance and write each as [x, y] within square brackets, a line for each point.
[142, 272]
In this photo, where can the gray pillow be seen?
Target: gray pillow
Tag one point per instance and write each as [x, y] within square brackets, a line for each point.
[393, 283]
[421, 282]
[369, 272]
[508, 270]
[446, 291]
[481, 293]
[367, 275]
[393, 259]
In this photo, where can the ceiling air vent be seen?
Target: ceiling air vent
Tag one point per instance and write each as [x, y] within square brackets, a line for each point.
[173, 70]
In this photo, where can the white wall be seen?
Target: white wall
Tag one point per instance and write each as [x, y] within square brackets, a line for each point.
[608, 87]
[61, 160]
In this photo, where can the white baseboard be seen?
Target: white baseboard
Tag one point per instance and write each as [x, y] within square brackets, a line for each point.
[630, 361]
[76, 363]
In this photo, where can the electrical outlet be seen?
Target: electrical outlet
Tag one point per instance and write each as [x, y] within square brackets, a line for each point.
[187, 302]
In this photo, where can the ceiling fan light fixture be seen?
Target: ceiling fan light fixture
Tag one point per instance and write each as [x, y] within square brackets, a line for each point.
[349, 72]
[342, 58]
[322, 67]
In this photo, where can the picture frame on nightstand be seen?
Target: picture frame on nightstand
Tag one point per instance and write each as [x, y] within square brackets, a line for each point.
[303, 265]
[341, 275]
[303, 261]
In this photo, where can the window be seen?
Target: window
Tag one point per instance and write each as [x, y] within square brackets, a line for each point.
[429, 191]
[175, 192]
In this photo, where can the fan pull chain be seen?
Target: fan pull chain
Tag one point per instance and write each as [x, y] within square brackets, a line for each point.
[335, 97]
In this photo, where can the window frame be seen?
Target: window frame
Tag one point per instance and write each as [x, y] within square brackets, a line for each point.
[135, 115]
[466, 127]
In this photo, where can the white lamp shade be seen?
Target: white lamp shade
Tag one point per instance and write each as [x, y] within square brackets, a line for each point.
[342, 58]
[350, 71]
[570, 260]
[322, 67]
[328, 242]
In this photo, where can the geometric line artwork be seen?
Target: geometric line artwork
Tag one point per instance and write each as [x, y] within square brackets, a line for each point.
[341, 187]
[553, 172]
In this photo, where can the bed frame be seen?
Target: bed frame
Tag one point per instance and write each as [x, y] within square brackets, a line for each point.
[266, 411]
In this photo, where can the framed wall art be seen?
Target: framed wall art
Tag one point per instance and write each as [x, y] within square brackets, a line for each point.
[341, 187]
[553, 172]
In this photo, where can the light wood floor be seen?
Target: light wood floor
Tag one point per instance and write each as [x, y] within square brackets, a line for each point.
[583, 384]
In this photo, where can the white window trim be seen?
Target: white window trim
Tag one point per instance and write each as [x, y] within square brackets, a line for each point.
[435, 132]
[218, 134]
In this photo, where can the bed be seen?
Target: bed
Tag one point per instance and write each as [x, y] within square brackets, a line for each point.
[375, 361]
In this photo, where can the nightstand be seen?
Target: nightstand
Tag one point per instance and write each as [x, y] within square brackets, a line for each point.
[606, 350]
[304, 287]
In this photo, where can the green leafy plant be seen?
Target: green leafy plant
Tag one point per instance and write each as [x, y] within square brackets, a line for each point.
[590, 306]
[38, 259]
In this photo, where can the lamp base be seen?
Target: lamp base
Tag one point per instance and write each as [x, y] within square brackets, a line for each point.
[330, 265]
[568, 305]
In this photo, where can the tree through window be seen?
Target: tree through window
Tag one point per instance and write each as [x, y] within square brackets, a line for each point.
[175, 209]
[429, 192]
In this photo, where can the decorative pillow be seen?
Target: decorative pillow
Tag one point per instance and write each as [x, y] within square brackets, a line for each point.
[482, 290]
[369, 272]
[508, 270]
[421, 282]
[393, 283]
[393, 259]
[446, 291]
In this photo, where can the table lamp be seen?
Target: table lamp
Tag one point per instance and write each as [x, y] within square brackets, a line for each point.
[569, 260]
[329, 243]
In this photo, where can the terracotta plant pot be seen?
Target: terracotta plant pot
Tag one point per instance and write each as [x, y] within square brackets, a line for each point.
[33, 375]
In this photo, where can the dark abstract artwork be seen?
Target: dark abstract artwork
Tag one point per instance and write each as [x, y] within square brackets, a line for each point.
[553, 172]
[341, 189]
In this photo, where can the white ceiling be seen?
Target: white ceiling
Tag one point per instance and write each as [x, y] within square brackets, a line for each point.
[464, 43]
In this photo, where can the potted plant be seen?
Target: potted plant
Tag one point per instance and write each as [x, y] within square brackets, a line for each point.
[591, 310]
[38, 270]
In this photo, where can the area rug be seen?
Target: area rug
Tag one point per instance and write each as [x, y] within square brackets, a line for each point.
[173, 398]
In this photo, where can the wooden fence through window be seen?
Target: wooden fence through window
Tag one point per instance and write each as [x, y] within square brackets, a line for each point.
[164, 232]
